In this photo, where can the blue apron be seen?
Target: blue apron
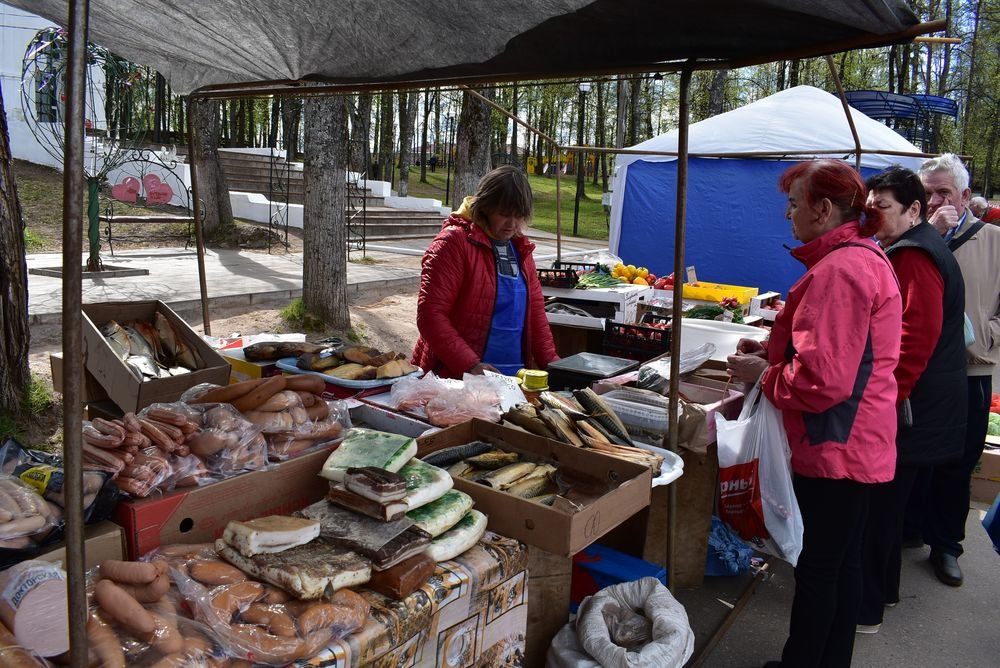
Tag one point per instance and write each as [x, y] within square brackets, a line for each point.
[504, 342]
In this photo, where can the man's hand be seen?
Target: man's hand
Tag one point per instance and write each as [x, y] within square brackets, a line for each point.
[747, 368]
[481, 367]
[945, 218]
[751, 347]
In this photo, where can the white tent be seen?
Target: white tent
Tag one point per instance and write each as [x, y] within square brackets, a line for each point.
[737, 198]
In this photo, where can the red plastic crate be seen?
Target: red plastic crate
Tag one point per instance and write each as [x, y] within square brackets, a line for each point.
[634, 341]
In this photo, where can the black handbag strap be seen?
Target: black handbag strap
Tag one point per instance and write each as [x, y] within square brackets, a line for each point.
[956, 242]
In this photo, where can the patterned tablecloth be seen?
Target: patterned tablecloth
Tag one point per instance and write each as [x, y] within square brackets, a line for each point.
[471, 612]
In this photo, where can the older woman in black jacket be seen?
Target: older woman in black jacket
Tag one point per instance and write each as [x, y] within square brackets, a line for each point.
[930, 375]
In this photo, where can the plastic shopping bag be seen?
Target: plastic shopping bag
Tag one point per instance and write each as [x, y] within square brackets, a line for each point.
[756, 498]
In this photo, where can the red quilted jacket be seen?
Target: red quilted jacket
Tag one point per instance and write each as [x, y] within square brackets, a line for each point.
[458, 286]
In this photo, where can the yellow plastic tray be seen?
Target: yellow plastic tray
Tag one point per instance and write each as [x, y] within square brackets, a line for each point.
[714, 292]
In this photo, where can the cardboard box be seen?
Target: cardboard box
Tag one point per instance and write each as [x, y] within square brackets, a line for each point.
[758, 303]
[119, 381]
[243, 369]
[986, 477]
[103, 540]
[624, 299]
[549, 529]
[90, 390]
[199, 514]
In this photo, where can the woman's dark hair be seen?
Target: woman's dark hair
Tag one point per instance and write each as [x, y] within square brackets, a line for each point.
[904, 184]
[505, 190]
[841, 184]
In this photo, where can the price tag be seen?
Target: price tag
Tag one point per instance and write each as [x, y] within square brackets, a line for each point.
[508, 389]
[692, 277]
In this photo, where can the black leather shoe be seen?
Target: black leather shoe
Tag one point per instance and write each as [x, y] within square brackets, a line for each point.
[946, 568]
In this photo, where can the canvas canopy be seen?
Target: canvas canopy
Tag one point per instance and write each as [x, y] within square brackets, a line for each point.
[736, 214]
[195, 43]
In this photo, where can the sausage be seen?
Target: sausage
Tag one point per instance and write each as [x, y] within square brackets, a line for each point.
[260, 394]
[151, 592]
[345, 612]
[274, 594]
[216, 573]
[102, 460]
[131, 422]
[173, 432]
[219, 417]
[299, 415]
[231, 599]
[270, 421]
[267, 647]
[307, 398]
[207, 443]
[280, 401]
[318, 411]
[227, 394]
[177, 418]
[124, 609]
[305, 383]
[98, 439]
[128, 572]
[104, 643]
[22, 526]
[136, 439]
[157, 436]
[108, 427]
[273, 617]
[167, 638]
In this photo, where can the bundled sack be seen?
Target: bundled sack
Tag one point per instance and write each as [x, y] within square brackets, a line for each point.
[727, 553]
[636, 623]
[756, 497]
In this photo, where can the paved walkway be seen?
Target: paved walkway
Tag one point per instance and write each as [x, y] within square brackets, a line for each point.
[244, 277]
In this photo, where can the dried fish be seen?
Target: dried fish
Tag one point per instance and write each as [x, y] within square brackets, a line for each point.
[597, 408]
[526, 417]
[461, 470]
[493, 460]
[448, 456]
[561, 425]
[117, 338]
[567, 405]
[532, 485]
[501, 478]
[168, 337]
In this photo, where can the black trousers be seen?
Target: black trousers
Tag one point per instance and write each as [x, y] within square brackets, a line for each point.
[881, 556]
[828, 575]
[947, 496]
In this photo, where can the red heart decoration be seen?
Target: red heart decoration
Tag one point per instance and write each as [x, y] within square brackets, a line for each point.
[127, 190]
[160, 194]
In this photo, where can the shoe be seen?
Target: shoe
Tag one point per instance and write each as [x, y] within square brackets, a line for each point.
[892, 605]
[910, 543]
[868, 628]
[946, 568]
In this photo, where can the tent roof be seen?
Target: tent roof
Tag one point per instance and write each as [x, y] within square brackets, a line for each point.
[793, 120]
[196, 44]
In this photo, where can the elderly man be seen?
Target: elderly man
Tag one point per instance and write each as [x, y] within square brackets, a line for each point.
[976, 247]
[983, 211]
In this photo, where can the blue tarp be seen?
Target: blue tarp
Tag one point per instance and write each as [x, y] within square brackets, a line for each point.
[736, 225]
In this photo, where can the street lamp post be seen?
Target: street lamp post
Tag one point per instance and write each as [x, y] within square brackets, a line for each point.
[584, 89]
[449, 122]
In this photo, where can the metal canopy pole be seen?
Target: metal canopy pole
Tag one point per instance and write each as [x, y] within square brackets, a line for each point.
[199, 237]
[671, 442]
[72, 330]
[847, 111]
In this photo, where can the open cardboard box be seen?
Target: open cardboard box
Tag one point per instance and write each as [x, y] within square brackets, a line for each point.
[549, 529]
[102, 540]
[200, 514]
[119, 381]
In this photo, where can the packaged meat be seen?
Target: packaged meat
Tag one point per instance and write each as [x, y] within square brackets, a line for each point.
[368, 447]
[274, 533]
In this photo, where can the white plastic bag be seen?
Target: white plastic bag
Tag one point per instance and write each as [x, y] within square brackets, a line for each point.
[671, 643]
[759, 432]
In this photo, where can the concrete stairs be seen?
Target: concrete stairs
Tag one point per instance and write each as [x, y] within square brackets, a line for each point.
[252, 173]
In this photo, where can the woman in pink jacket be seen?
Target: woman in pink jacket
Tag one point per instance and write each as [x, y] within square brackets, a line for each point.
[480, 305]
[828, 366]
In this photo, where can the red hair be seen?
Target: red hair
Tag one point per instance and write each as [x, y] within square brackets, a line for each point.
[838, 182]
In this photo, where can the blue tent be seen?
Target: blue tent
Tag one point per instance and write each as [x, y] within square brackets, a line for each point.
[736, 229]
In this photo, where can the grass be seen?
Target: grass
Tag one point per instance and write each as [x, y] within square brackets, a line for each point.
[299, 319]
[592, 223]
[36, 400]
[33, 243]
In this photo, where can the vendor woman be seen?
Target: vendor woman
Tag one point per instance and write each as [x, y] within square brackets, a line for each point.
[480, 305]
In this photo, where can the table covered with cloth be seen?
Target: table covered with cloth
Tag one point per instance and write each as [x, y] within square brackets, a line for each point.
[472, 611]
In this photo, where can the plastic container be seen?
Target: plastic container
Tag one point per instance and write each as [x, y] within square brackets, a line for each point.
[635, 342]
[557, 278]
[715, 292]
[644, 416]
[581, 370]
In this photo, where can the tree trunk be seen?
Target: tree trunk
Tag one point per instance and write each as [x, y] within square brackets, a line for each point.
[472, 145]
[621, 119]
[14, 371]
[160, 109]
[407, 118]
[361, 123]
[423, 136]
[969, 82]
[272, 130]
[213, 191]
[793, 73]
[717, 93]
[513, 132]
[601, 140]
[635, 109]
[290, 127]
[324, 239]
[386, 138]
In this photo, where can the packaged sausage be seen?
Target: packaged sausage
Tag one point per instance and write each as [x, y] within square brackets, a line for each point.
[225, 440]
[322, 424]
[33, 606]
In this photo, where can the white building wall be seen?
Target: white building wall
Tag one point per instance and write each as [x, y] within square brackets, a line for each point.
[17, 29]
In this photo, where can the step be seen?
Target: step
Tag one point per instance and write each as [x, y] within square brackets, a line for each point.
[400, 229]
[254, 169]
